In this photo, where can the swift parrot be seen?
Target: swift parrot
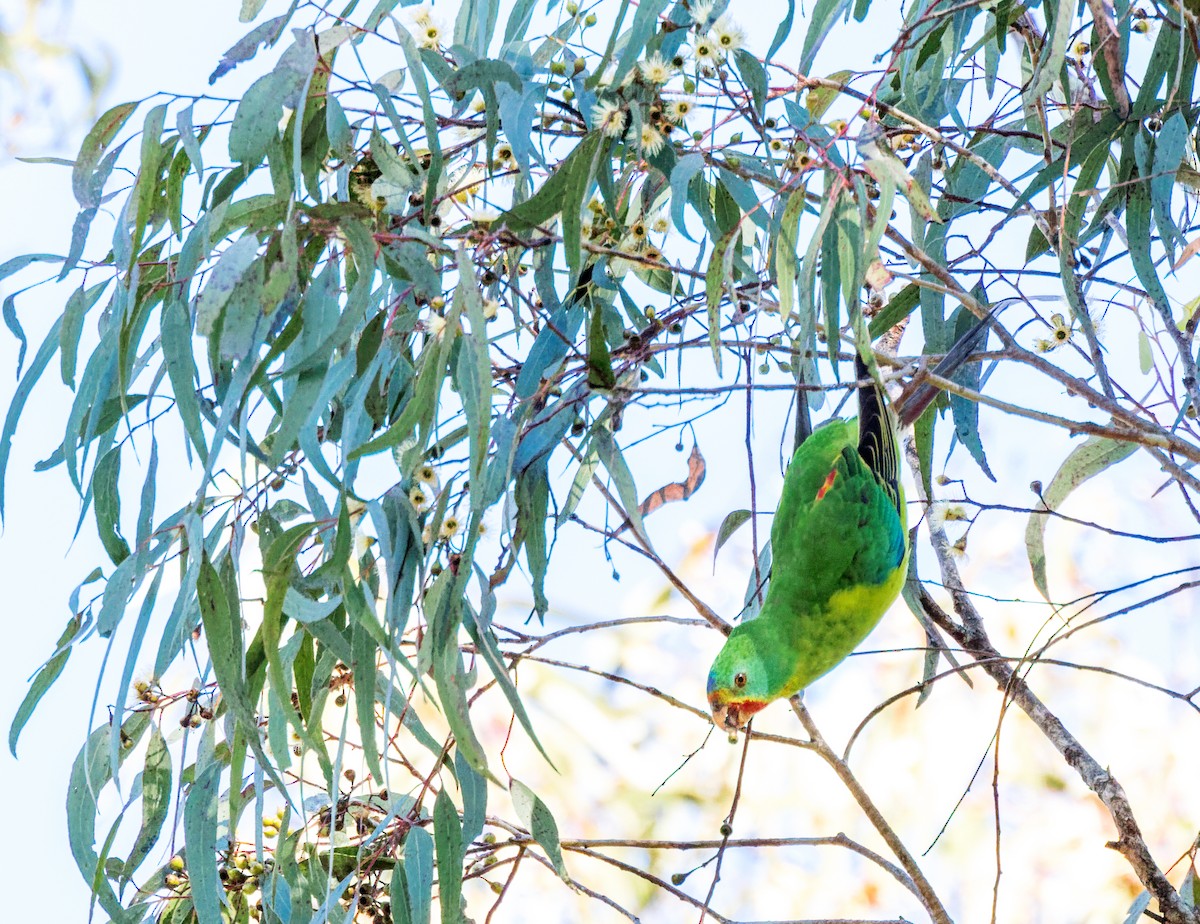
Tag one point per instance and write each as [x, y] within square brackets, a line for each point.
[839, 553]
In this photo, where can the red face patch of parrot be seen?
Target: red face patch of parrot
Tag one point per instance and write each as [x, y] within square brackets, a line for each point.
[732, 715]
[829, 479]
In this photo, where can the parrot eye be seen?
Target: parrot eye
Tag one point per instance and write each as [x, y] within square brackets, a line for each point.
[739, 680]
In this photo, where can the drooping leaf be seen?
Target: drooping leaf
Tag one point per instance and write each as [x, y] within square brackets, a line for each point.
[1054, 53]
[156, 800]
[820, 22]
[474, 794]
[733, 520]
[1085, 461]
[42, 681]
[200, 838]
[753, 76]
[91, 152]
[537, 818]
[478, 626]
[48, 348]
[107, 502]
[418, 871]
[600, 369]
[965, 411]
[448, 839]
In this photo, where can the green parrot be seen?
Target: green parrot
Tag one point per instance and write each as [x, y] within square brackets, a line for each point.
[840, 555]
[839, 547]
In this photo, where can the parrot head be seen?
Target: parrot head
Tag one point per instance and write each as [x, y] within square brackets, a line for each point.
[741, 681]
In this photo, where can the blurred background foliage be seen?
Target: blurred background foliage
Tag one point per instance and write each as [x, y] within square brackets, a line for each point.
[50, 79]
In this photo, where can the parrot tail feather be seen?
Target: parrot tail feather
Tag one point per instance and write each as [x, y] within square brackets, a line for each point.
[876, 436]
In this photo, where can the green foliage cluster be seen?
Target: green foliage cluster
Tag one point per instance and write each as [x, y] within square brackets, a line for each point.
[438, 257]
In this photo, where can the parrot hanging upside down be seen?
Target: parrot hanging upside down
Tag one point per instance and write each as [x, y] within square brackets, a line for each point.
[840, 555]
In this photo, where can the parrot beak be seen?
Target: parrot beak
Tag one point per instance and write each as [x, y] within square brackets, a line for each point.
[732, 716]
[725, 717]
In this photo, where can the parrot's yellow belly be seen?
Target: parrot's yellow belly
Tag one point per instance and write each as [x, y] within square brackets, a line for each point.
[849, 617]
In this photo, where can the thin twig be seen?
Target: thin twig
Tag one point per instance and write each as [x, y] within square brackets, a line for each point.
[727, 828]
[701, 607]
[923, 889]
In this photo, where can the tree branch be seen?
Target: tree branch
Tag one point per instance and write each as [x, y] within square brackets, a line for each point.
[922, 887]
[973, 638]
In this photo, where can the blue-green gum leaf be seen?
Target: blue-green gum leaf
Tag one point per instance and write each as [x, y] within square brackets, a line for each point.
[149, 173]
[1086, 461]
[786, 258]
[897, 309]
[448, 838]
[265, 33]
[733, 520]
[42, 681]
[417, 70]
[474, 795]
[830, 282]
[365, 651]
[1137, 226]
[179, 358]
[579, 484]
[13, 323]
[91, 772]
[188, 139]
[753, 76]
[135, 647]
[720, 269]
[475, 377]
[222, 279]
[479, 628]
[783, 30]
[685, 169]
[48, 348]
[418, 870]
[220, 614]
[532, 496]
[808, 275]
[451, 681]
[618, 470]
[107, 497]
[78, 305]
[156, 800]
[1169, 148]
[92, 150]
[200, 838]
[820, 22]
[223, 631]
[417, 408]
[537, 818]
[965, 411]
[16, 264]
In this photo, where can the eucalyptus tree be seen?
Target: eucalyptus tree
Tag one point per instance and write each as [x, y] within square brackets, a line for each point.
[351, 351]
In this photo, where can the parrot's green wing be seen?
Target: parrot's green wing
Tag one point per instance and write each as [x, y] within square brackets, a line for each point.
[840, 522]
[845, 533]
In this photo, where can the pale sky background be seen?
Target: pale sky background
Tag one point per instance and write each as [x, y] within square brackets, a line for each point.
[174, 47]
[154, 45]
